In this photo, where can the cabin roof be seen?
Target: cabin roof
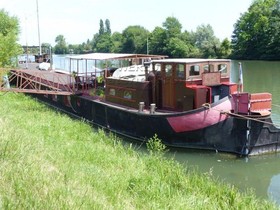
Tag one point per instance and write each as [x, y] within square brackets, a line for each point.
[112, 56]
[189, 60]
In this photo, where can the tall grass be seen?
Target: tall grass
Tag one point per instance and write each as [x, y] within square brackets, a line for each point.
[50, 161]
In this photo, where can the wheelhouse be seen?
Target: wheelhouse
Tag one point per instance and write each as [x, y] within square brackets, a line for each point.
[175, 85]
[185, 84]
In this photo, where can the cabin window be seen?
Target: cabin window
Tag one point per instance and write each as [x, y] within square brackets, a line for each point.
[205, 68]
[157, 67]
[112, 92]
[212, 68]
[168, 70]
[194, 70]
[222, 68]
[127, 94]
[208, 68]
[180, 71]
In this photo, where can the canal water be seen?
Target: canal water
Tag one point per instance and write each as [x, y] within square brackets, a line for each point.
[259, 173]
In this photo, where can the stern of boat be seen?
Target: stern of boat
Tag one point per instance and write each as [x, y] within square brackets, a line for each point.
[261, 134]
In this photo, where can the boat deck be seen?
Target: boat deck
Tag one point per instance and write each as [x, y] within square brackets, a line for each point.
[127, 108]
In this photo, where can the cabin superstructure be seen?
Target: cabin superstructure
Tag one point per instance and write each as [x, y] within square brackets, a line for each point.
[175, 85]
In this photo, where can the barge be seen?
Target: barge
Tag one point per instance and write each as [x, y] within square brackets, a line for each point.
[187, 103]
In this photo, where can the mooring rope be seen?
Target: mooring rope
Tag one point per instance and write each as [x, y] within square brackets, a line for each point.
[208, 106]
[71, 105]
[276, 105]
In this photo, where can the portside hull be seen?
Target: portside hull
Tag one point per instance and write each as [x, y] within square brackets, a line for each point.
[200, 129]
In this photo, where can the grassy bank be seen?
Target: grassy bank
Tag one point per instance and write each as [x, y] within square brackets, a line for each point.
[49, 161]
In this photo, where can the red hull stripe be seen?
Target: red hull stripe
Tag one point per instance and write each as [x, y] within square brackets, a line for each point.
[199, 120]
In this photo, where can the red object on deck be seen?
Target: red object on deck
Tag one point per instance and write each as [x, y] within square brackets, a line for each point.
[241, 102]
[260, 102]
[202, 95]
[245, 103]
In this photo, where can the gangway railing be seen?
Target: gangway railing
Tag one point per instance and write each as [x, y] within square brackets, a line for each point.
[36, 82]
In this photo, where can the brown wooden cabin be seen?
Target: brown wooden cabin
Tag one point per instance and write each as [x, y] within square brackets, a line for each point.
[180, 85]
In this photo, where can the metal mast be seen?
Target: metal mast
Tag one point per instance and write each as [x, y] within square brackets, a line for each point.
[40, 48]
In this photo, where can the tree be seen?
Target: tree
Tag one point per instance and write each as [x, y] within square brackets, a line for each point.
[104, 43]
[206, 41]
[117, 40]
[189, 41]
[135, 40]
[172, 26]
[9, 31]
[170, 41]
[256, 32]
[157, 41]
[101, 27]
[178, 48]
[107, 27]
[61, 46]
[167, 40]
[46, 47]
[225, 49]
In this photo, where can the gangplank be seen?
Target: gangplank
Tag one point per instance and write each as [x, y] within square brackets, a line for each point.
[37, 82]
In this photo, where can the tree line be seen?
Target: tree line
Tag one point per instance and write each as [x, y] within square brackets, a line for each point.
[256, 36]
[167, 40]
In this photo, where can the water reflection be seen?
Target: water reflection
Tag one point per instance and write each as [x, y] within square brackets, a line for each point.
[273, 190]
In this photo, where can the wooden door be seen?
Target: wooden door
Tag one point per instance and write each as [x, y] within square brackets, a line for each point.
[168, 87]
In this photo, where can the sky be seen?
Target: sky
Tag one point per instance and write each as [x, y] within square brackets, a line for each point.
[78, 20]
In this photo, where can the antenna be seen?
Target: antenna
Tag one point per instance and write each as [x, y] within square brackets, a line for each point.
[40, 49]
[147, 45]
[26, 59]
